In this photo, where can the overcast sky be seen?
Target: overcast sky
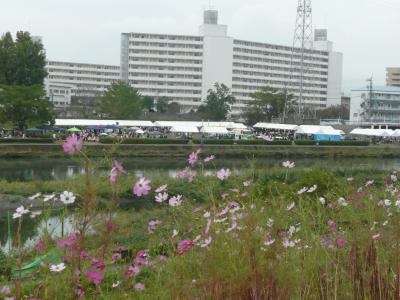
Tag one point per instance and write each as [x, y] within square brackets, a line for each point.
[366, 31]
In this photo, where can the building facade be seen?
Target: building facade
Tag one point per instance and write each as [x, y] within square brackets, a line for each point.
[379, 105]
[183, 67]
[59, 94]
[393, 76]
[88, 80]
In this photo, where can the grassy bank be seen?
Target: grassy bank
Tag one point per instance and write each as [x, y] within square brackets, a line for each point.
[227, 151]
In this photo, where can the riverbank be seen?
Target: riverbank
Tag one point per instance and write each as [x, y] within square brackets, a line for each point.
[12, 151]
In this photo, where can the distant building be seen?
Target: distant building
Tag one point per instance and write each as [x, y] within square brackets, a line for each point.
[88, 80]
[393, 76]
[345, 101]
[381, 105]
[185, 67]
[59, 94]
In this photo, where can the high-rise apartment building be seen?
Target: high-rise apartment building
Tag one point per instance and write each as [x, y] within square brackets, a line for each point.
[393, 76]
[184, 67]
[89, 80]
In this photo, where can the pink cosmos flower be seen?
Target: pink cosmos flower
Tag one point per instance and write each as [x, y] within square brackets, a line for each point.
[117, 168]
[152, 225]
[206, 242]
[175, 201]
[142, 187]
[341, 242]
[162, 188]
[209, 158]
[376, 237]
[193, 157]
[132, 271]
[184, 246]
[141, 258]
[116, 257]
[192, 175]
[72, 144]
[5, 290]
[139, 286]
[40, 246]
[70, 241]
[184, 172]
[94, 276]
[223, 174]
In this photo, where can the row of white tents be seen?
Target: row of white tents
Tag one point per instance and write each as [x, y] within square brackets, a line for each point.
[301, 129]
[172, 126]
[376, 132]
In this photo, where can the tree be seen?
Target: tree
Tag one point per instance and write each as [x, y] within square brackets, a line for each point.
[23, 105]
[22, 73]
[218, 103]
[334, 112]
[265, 105]
[22, 62]
[174, 108]
[121, 101]
[148, 103]
[162, 104]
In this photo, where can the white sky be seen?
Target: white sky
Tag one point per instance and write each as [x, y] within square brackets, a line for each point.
[366, 31]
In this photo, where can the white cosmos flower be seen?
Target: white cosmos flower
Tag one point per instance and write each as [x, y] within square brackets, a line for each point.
[270, 222]
[322, 200]
[175, 201]
[37, 195]
[48, 197]
[67, 197]
[161, 197]
[288, 244]
[287, 164]
[269, 242]
[174, 233]
[290, 206]
[57, 268]
[342, 201]
[301, 191]
[387, 202]
[312, 189]
[207, 214]
[116, 284]
[19, 212]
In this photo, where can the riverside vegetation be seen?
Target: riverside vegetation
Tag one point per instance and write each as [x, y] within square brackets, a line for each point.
[286, 234]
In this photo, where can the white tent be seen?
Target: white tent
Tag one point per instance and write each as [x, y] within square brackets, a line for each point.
[275, 126]
[316, 129]
[373, 132]
[86, 123]
[184, 129]
[214, 130]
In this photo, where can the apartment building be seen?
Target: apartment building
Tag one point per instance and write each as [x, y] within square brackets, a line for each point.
[381, 105]
[89, 80]
[393, 76]
[185, 67]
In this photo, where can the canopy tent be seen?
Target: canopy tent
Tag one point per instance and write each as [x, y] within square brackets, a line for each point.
[119, 123]
[34, 129]
[214, 130]
[314, 129]
[275, 126]
[74, 129]
[374, 132]
[184, 129]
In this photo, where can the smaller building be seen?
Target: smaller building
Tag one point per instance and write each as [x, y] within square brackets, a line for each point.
[393, 77]
[59, 94]
[380, 106]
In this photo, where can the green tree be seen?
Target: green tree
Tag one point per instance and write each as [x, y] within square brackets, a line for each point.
[23, 105]
[121, 101]
[162, 104]
[174, 108]
[218, 103]
[22, 73]
[148, 103]
[265, 105]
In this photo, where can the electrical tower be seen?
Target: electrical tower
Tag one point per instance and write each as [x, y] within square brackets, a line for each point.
[302, 41]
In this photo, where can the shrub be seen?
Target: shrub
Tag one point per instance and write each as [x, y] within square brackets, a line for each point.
[305, 142]
[344, 143]
[5, 266]
[132, 141]
[26, 141]
[240, 142]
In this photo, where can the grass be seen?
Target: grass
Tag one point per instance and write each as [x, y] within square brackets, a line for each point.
[265, 241]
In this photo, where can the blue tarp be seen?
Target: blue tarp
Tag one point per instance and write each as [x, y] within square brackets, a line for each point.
[327, 137]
